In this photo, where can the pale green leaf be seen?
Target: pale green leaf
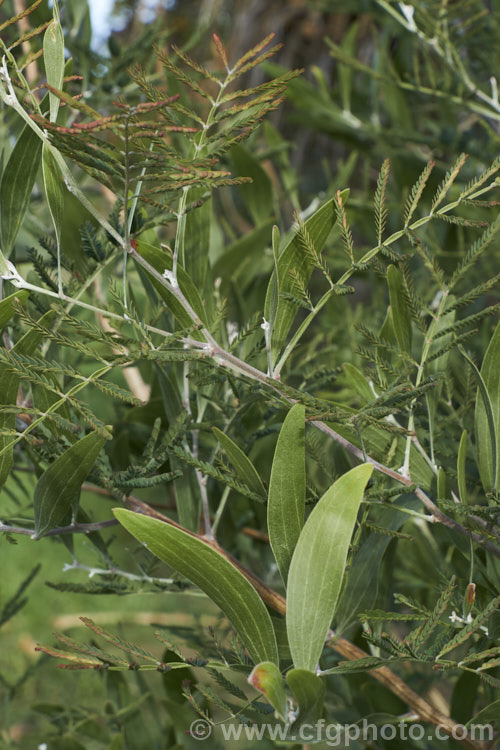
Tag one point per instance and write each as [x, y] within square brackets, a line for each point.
[287, 489]
[56, 489]
[212, 573]
[318, 564]
[53, 57]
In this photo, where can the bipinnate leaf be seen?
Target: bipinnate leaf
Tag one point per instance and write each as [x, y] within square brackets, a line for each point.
[56, 489]
[212, 573]
[487, 416]
[400, 312]
[318, 564]
[9, 386]
[268, 680]
[309, 692]
[7, 305]
[241, 463]
[318, 227]
[287, 489]
[17, 183]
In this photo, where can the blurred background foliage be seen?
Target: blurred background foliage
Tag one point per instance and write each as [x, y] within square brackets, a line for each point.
[371, 89]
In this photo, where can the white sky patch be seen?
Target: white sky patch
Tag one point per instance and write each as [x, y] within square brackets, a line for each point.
[100, 12]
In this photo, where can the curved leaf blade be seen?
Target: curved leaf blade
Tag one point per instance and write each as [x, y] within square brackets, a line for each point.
[161, 261]
[53, 57]
[212, 573]
[318, 226]
[318, 564]
[487, 415]
[309, 692]
[7, 305]
[400, 313]
[56, 489]
[53, 182]
[461, 474]
[241, 463]
[488, 715]
[287, 489]
[361, 588]
[17, 183]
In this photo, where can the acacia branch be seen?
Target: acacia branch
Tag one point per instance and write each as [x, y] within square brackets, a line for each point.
[384, 675]
[227, 359]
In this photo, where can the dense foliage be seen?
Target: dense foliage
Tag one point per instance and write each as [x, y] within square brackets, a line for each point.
[250, 366]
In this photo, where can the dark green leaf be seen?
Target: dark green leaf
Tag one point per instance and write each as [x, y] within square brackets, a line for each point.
[17, 183]
[242, 464]
[489, 715]
[58, 486]
[257, 194]
[488, 416]
[318, 226]
[309, 692]
[287, 489]
[7, 305]
[461, 474]
[400, 312]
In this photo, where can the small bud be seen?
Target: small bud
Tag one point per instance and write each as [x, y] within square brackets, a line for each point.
[469, 599]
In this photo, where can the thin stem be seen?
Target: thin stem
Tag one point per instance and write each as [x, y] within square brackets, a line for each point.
[369, 255]
[112, 571]
[73, 528]
[220, 509]
[180, 233]
[53, 407]
[126, 221]
[429, 338]
[454, 62]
